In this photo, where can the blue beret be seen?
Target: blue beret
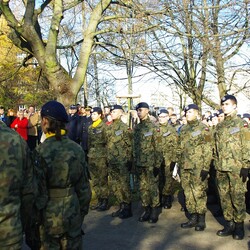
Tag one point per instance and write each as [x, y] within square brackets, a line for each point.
[96, 109]
[116, 106]
[55, 110]
[73, 106]
[163, 111]
[142, 105]
[229, 97]
[219, 112]
[246, 115]
[191, 106]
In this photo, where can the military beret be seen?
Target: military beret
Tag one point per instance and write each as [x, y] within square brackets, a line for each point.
[246, 115]
[163, 111]
[142, 105]
[116, 106]
[219, 112]
[73, 106]
[96, 109]
[191, 106]
[229, 97]
[55, 110]
[209, 118]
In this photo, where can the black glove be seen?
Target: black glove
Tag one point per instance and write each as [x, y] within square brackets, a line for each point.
[172, 165]
[244, 174]
[156, 171]
[203, 175]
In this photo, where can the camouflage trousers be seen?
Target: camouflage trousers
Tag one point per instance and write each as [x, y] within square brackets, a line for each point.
[195, 191]
[64, 242]
[14, 246]
[119, 180]
[99, 176]
[149, 187]
[166, 180]
[232, 195]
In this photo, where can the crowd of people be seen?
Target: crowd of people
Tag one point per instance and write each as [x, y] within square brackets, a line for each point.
[104, 147]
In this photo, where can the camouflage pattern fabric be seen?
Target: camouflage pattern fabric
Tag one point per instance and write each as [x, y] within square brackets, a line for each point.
[147, 155]
[97, 159]
[119, 154]
[194, 154]
[169, 140]
[232, 153]
[17, 188]
[63, 179]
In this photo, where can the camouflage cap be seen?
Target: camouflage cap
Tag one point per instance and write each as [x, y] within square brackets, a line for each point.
[142, 105]
[55, 110]
[229, 97]
[116, 106]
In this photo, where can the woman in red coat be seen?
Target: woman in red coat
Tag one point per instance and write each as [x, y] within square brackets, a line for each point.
[20, 124]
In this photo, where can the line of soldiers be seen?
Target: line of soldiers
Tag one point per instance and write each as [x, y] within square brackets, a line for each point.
[157, 147]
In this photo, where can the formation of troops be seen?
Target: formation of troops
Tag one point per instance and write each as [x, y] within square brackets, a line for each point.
[46, 191]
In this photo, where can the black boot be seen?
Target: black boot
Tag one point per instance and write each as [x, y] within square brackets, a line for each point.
[201, 225]
[104, 205]
[99, 203]
[146, 214]
[239, 232]
[228, 229]
[117, 213]
[154, 215]
[126, 211]
[192, 221]
[167, 202]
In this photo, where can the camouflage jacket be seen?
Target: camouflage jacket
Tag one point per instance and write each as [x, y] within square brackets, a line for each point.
[146, 145]
[97, 141]
[119, 143]
[63, 179]
[232, 144]
[195, 146]
[16, 186]
[168, 142]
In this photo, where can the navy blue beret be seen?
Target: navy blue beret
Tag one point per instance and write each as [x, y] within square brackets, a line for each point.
[96, 109]
[163, 111]
[116, 106]
[191, 106]
[73, 106]
[219, 112]
[229, 97]
[55, 110]
[246, 115]
[142, 105]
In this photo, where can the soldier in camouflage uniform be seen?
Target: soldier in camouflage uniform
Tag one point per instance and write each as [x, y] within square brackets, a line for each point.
[63, 182]
[97, 158]
[232, 142]
[119, 154]
[169, 138]
[17, 189]
[195, 155]
[147, 158]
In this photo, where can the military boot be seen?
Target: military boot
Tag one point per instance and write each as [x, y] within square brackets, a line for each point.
[96, 206]
[201, 225]
[192, 221]
[104, 205]
[117, 213]
[126, 211]
[154, 215]
[167, 202]
[239, 232]
[228, 229]
[146, 214]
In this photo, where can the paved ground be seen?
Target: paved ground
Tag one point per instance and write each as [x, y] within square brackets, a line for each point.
[106, 233]
[102, 232]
